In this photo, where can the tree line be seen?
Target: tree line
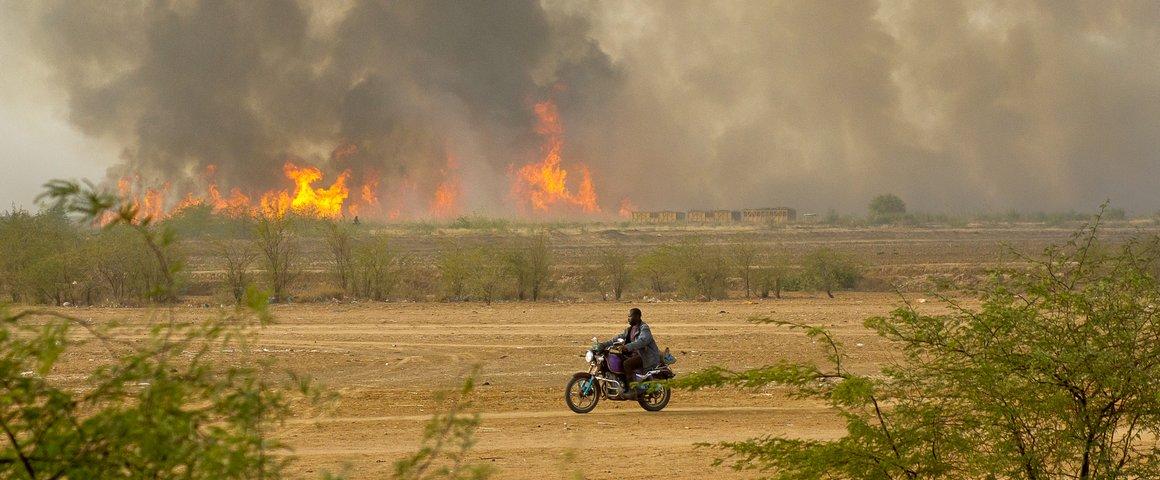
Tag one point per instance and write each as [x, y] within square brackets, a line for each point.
[49, 258]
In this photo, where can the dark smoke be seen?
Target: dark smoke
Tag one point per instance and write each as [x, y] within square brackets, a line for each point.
[954, 105]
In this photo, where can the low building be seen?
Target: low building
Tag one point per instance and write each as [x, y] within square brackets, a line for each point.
[726, 216]
[698, 216]
[769, 215]
[669, 216]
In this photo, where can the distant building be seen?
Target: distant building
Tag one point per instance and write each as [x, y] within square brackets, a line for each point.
[752, 215]
[642, 217]
[698, 216]
[669, 216]
[726, 216]
[769, 215]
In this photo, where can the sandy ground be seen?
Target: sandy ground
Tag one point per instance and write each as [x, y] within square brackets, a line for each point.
[387, 361]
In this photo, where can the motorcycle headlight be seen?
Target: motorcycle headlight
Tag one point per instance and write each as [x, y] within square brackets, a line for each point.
[589, 356]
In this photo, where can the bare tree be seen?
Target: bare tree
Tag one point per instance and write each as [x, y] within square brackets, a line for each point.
[238, 259]
[530, 264]
[615, 268]
[277, 242]
[744, 256]
[340, 240]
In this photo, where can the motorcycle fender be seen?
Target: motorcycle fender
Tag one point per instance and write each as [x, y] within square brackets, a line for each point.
[581, 375]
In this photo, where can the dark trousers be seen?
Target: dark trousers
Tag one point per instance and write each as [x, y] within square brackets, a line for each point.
[630, 366]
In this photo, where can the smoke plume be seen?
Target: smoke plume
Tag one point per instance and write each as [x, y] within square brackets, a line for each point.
[953, 105]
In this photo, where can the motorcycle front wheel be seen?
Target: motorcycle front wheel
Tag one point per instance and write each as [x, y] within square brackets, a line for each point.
[655, 399]
[582, 393]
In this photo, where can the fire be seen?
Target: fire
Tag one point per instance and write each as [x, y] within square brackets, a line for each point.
[627, 207]
[544, 184]
[446, 201]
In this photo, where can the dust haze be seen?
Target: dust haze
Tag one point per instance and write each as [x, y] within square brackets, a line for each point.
[955, 106]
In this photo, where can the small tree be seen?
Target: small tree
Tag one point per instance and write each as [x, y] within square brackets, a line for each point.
[703, 270]
[275, 239]
[237, 258]
[1054, 376]
[744, 257]
[770, 278]
[488, 273]
[616, 270]
[886, 208]
[826, 270]
[530, 265]
[375, 269]
[658, 268]
[340, 241]
[454, 263]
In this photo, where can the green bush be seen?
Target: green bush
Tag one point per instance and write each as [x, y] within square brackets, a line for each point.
[1054, 376]
[826, 270]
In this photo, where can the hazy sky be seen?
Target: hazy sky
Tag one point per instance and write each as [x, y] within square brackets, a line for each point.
[953, 105]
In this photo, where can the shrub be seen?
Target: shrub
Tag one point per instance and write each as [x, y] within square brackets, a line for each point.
[615, 270]
[703, 270]
[886, 208]
[745, 257]
[1054, 376]
[375, 268]
[658, 268]
[276, 241]
[827, 270]
[529, 263]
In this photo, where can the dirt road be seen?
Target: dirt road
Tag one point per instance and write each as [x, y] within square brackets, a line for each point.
[387, 361]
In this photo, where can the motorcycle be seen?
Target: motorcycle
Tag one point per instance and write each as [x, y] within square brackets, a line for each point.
[605, 379]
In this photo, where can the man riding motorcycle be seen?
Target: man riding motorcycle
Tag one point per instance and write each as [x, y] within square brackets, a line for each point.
[642, 353]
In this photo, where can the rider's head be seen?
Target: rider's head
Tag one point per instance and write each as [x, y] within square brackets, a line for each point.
[633, 316]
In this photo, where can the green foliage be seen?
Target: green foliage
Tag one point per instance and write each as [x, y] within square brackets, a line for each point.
[658, 268]
[155, 407]
[376, 268]
[454, 262]
[615, 270]
[744, 257]
[94, 205]
[489, 273]
[40, 256]
[1054, 376]
[886, 208]
[529, 264]
[703, 270]
[447, 439]
[826, 270]
[276, 239]
[772, 277]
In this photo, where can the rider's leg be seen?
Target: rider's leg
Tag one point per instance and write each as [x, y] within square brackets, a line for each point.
[630, 366]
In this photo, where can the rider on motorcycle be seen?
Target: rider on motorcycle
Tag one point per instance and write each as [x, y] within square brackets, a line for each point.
[640, 350]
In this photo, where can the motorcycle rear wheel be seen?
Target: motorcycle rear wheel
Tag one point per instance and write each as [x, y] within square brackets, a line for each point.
[655, 401]
[576, 399]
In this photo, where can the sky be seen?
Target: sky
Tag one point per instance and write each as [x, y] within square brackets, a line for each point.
[956, 105]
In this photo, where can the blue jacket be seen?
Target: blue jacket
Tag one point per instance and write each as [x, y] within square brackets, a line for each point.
[643, 344]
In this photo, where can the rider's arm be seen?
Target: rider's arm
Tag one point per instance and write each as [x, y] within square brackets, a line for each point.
[611, 341]
[642, 338]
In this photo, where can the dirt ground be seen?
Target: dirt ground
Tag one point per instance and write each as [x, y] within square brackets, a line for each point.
[387, 360]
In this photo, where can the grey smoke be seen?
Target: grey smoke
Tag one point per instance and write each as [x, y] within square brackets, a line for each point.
[954, 105]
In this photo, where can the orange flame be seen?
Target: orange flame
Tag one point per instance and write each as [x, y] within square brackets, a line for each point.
[627, 207]
[544, 184]
[446, 201]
